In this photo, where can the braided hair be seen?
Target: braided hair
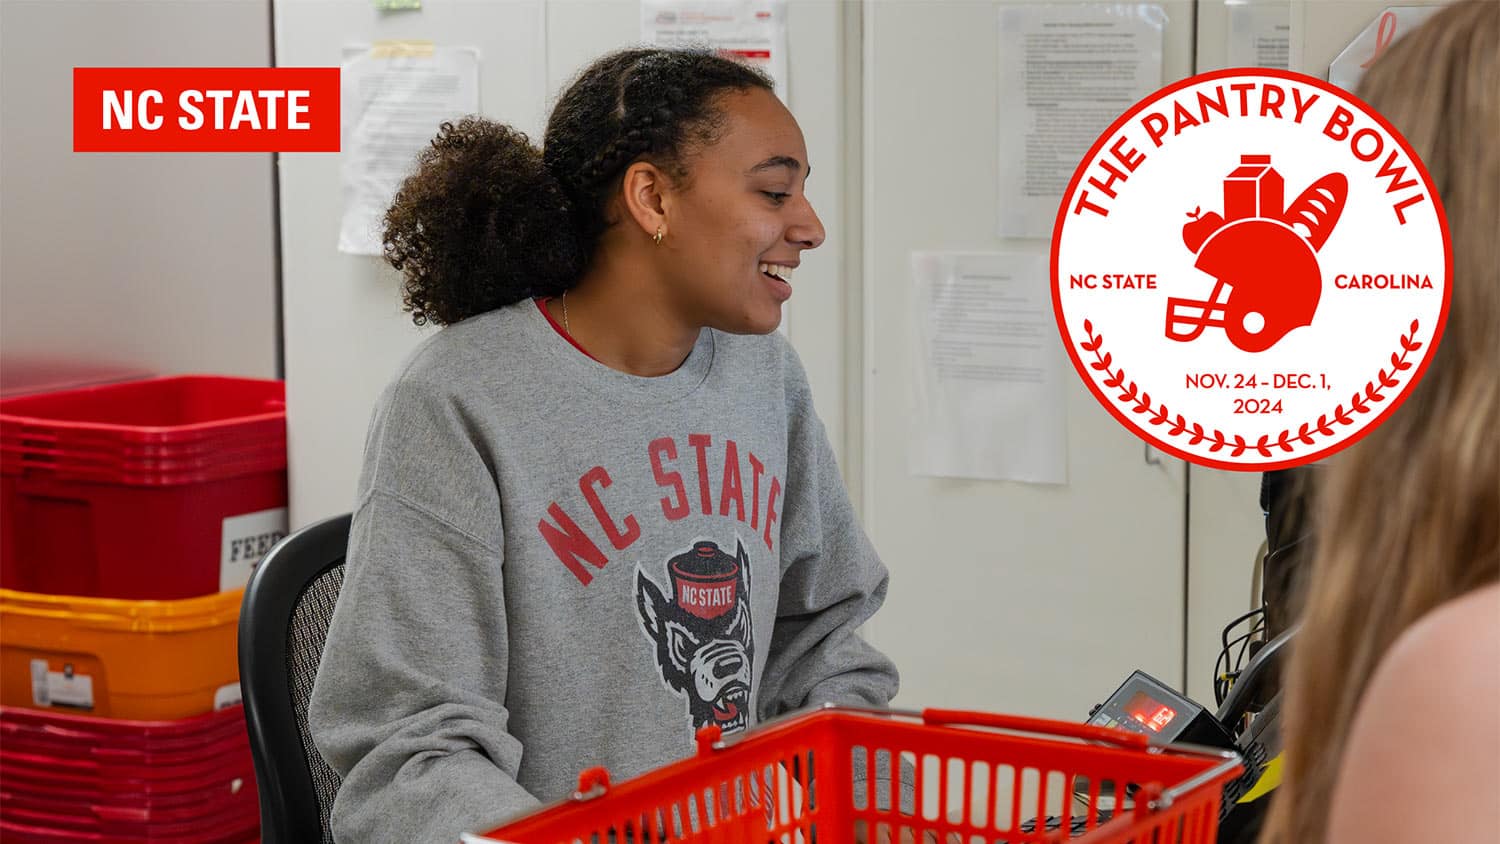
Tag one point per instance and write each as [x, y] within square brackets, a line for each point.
[487, 219]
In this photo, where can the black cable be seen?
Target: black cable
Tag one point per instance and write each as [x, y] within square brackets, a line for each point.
[1236, 667]
[1239, 661]
[1244, 643]
[1227, 666]
[1240, 640]
[1260, 610]
[1224, 635]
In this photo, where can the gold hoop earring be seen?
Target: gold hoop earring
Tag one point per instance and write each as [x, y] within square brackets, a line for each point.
[657, 237]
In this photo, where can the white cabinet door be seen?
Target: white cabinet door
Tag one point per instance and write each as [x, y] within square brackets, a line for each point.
[1004, 596]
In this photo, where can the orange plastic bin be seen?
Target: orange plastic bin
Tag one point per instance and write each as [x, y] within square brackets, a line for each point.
[139, 660]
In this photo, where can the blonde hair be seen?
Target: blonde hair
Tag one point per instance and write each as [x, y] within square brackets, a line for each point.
[1407, 519]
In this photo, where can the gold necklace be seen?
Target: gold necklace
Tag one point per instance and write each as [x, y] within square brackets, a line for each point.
[566, 328]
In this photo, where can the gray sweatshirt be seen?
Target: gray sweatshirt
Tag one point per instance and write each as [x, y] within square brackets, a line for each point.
[554, 565]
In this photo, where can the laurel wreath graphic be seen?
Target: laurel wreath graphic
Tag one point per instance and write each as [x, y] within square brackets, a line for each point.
[1140, 402]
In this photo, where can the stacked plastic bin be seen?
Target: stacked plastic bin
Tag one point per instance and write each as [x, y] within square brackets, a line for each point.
[131, 516]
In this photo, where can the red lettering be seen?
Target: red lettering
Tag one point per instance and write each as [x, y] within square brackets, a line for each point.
[731, 485]
[1302, 105]
[1394, 173]
[1401, 206]
[1084, 205]
[597, 477]
[1181, 118]
[1243, 89]
[1339, 123]
[1130, 157]
[1271, 106]
[1155, 125]
[571, 544]
[1216, 103]
[771, 510]
[756, 467]
[701, 442]
[1374, 151]
[664, 447]
[1107, 187]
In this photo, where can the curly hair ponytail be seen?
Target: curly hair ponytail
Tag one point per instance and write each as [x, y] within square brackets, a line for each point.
[480, 225]
[487, 219]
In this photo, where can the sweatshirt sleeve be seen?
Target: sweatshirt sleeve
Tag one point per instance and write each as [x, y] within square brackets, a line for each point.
[408, 706]
[832, 581]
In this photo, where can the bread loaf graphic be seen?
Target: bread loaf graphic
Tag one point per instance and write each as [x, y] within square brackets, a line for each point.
[1315, 212]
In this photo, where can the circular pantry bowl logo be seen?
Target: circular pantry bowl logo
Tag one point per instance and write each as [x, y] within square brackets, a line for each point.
[1250, 269]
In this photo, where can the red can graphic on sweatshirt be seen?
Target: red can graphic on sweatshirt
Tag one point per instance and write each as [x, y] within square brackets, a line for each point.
[705, 580]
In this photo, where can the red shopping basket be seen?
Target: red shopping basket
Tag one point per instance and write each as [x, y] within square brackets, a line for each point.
[840, 775]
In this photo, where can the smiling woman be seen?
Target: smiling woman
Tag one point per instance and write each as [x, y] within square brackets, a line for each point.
[598, 510]
[681, 176]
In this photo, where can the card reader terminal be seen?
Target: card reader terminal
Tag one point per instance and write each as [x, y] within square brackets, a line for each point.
[1148, 706]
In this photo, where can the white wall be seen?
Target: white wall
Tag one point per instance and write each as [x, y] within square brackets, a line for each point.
[119, 265]
[1005, 596]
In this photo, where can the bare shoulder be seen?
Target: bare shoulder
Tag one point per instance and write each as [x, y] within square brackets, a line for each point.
[1423, 758]
[1455, 648]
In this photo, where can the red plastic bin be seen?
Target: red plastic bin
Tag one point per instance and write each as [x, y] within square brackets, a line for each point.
[191, 773]
[135, 803]
[141, 490]
[20, 833]
[795, 781]
[122, 751]
[169, 411]
[69, 734]
[81, 820]
[76, 814]
[76, 778]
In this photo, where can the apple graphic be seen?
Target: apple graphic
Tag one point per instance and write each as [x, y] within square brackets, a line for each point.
[1194, 233]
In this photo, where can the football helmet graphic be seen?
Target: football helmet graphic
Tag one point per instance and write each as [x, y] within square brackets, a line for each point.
[1264, 262]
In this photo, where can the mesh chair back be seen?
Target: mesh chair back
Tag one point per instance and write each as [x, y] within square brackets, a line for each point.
[289, 603]
[306, 635]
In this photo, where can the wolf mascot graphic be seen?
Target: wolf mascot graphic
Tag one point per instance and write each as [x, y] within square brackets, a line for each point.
[702, 632]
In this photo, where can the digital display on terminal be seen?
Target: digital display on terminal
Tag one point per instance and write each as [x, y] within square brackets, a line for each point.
[1148, 711]
[1146, 706]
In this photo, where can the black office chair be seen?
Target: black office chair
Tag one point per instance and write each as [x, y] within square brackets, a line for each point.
[283, 624]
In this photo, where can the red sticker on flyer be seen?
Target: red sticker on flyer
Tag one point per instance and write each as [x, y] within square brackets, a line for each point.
[1250, 269]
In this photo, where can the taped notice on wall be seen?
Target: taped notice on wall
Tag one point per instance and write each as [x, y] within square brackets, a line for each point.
[991, 372]
[1066, 72]
[752, 31]
[395, 97]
